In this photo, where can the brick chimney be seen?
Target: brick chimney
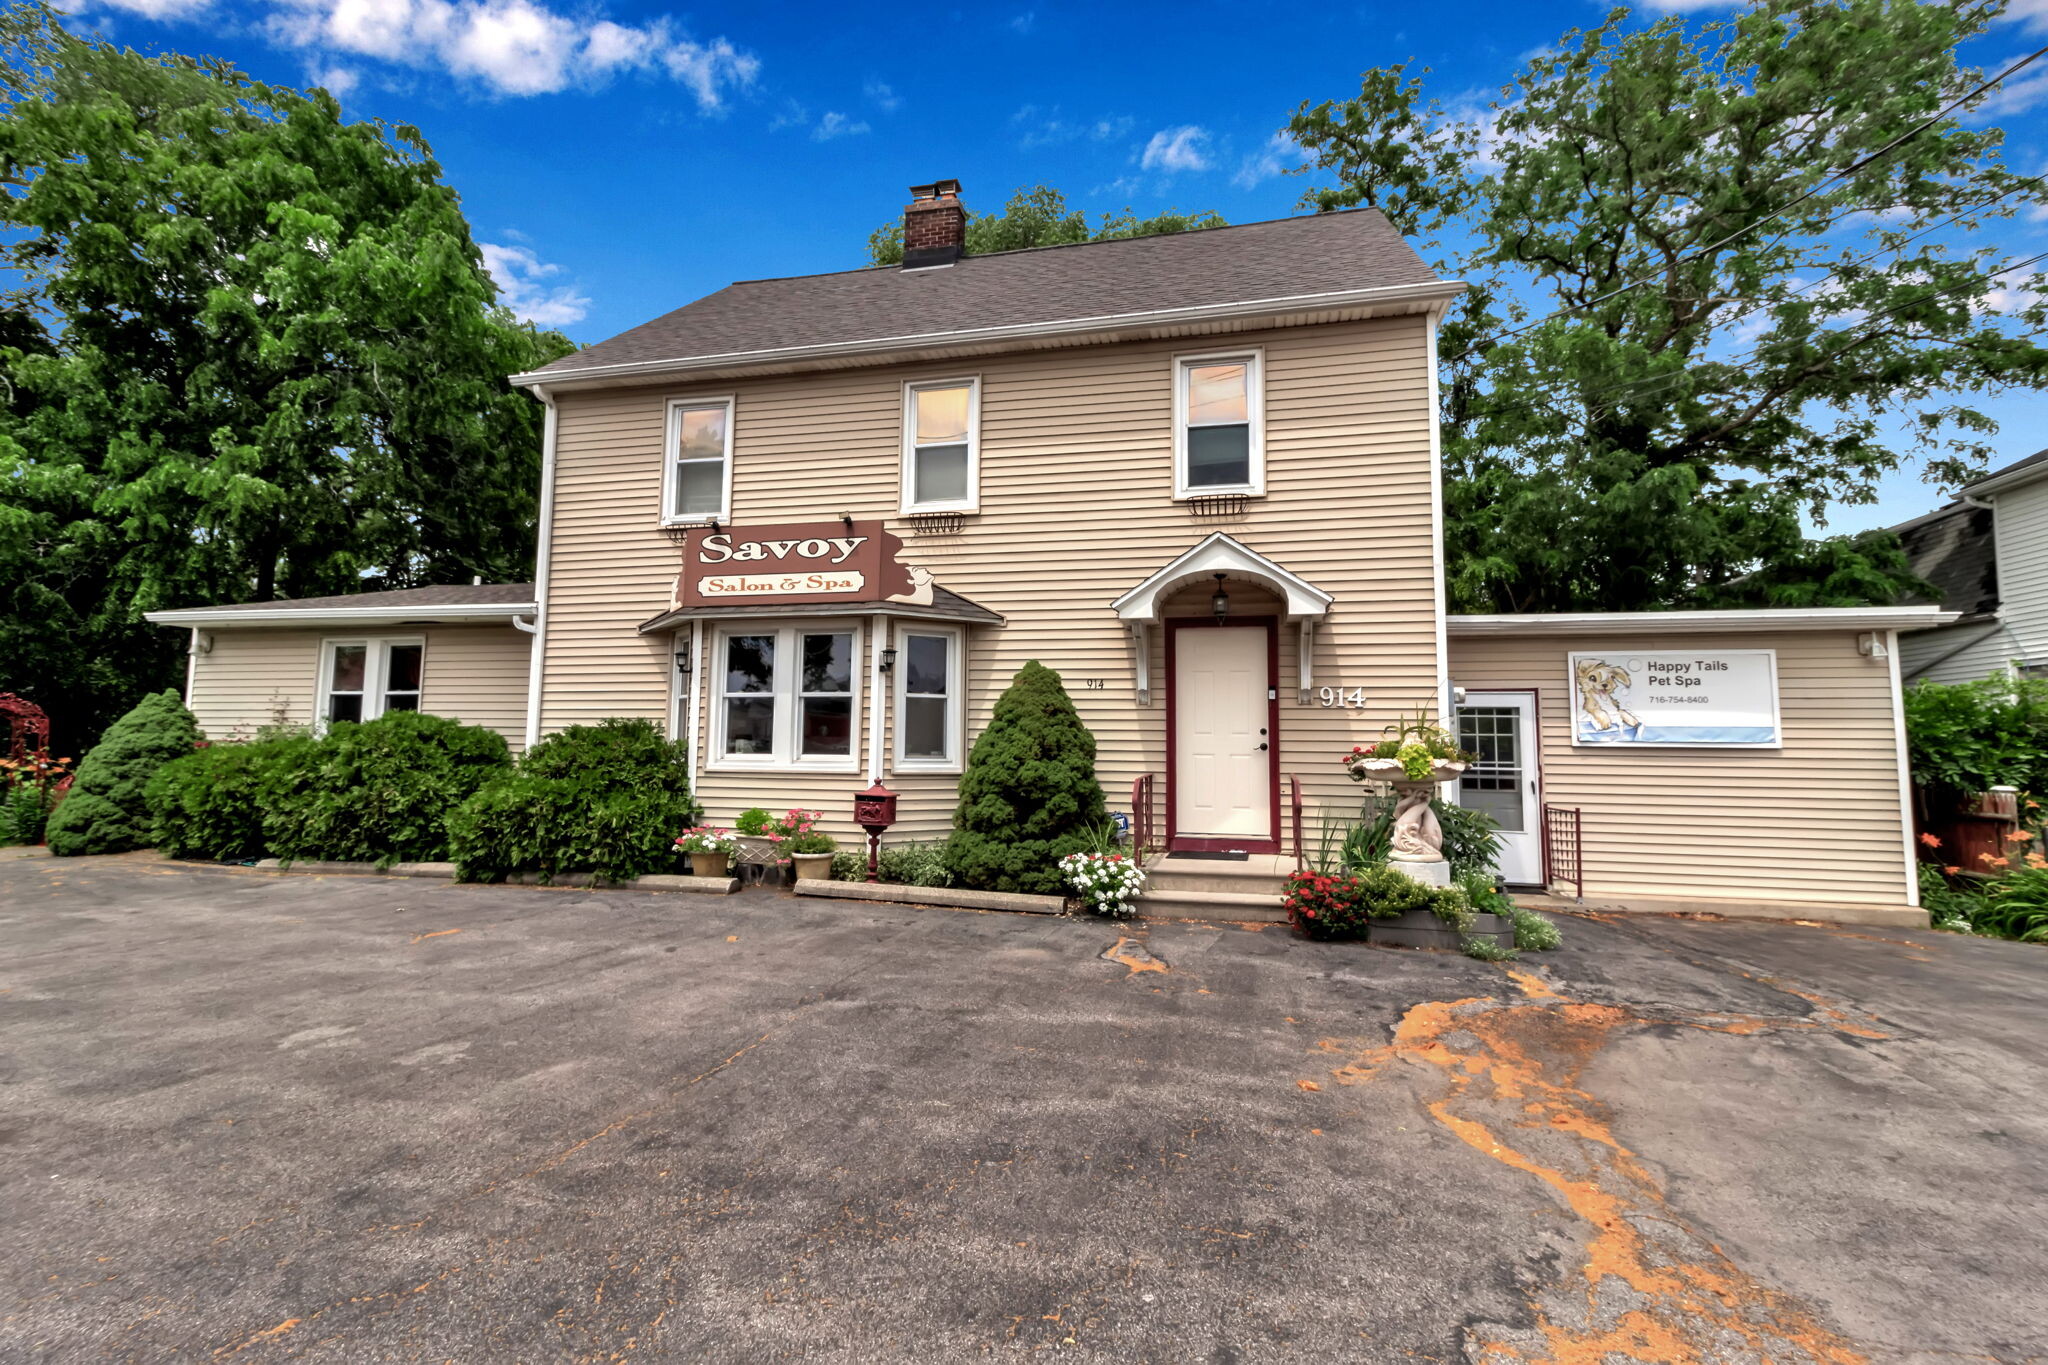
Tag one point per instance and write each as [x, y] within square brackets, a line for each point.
[934, 225]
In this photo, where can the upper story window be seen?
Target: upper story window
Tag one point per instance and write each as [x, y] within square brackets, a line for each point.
[362, 679]
[1219, 424]
[786, 697]
[697, 479]
[941, 445]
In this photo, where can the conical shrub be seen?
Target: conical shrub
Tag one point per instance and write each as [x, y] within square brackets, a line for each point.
[105, 811]
[1029, 795]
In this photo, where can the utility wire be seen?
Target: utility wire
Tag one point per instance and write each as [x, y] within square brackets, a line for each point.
[1901, 140]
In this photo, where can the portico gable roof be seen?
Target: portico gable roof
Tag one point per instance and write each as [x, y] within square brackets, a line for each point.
[1220, 554]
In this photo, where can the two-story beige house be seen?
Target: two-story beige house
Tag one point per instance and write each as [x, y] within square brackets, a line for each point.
[814, 525]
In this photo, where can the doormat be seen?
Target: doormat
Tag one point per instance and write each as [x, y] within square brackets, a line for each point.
[1210, 857]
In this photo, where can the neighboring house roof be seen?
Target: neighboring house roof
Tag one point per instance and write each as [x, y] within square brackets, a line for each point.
[2035, 466]
[945, 605]
[1955, 549]
[1078, 287]
[452, 602]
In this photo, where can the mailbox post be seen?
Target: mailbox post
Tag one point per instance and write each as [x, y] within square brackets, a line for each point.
[874, 810]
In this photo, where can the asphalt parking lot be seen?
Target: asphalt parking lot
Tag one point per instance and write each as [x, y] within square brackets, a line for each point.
[258, 1116]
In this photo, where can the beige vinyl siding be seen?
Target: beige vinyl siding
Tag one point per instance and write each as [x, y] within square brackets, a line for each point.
[1816, 821]
[2021, 518]
[1957, 653]
[1076, 485]
[258, 676]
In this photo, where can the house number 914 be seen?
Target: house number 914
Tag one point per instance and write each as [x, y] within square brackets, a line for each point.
[1337, 696]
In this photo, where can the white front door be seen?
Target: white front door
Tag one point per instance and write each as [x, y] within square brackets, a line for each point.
[1500, 727]
[1221, 762]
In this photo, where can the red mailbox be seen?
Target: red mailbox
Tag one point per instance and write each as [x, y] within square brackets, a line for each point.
[874, 810]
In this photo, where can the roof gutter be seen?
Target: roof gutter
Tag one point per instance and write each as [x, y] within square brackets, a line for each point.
[1704, 622]
[332, 616]
[1435, 292]
[1998, 483]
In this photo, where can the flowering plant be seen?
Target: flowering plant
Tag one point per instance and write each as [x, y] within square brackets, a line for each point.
[797, 832]
[1324, 906]
[1414, 749]
[704, 839]
[1107, 883]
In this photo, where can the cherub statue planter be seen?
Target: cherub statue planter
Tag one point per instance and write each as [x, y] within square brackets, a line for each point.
[1414, 759]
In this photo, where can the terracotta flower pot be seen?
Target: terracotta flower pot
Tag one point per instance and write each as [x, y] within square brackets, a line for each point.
[710, 864]
[816, 867]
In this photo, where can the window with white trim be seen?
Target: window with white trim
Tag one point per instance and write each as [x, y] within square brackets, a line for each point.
[1219, 424]
[941, 445]
[786, 696]
[363, 679]
[931, 685]
[696, 483]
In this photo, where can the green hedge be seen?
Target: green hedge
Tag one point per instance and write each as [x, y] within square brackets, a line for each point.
[607, 799]
[381, 791]
[106, 810]
[210, 804]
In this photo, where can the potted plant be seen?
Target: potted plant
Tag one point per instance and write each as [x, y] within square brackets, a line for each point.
[753, 844]
[1413, 758]
[807, 847]
[710, 850]
[1106, 884]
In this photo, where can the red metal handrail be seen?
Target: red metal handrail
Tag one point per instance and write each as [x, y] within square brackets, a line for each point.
[1142, 841]
[1294, 791]
[1564, 849]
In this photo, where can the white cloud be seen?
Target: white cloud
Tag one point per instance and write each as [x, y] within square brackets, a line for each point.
[2016, 96]
[518, 273]
[337, 80]
[159, 9]
[511, 47]
[2031, 13]
[1687, 6]
[1050, 127]
[1280, 153]
[1025, 22]
[836, 124]
[880, 95]
[1177, 149]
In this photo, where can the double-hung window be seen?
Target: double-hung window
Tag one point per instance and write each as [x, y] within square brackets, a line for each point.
[696, 482]
[941, 445]
[1219, 424]
[362, 679]
[787, 697]
[928, 699]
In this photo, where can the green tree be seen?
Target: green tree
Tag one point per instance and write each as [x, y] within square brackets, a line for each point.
[1040, 217]
[1707, 262]
[1029, 795]
[252, 349]
[106, 810]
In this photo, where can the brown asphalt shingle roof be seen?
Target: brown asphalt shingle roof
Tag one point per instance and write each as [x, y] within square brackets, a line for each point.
[1955, 549]
[450, 595]
[945, 604]
[1283, 258]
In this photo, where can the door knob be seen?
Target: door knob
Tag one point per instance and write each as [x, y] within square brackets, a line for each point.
[1262, 748]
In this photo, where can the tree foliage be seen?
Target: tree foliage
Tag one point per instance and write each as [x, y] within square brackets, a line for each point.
[1029, 795]
[1040, 217]
[251, 350]
[1704, 278]
[106, 810]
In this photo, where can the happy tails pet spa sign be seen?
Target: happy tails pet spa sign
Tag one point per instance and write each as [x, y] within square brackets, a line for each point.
[827, 561]
[1717, 697]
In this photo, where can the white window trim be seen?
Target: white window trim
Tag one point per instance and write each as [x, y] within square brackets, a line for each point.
[1255, 410]
[787, 724]
[956, 698]
[671, 444]
[906, 472]
[376, 671]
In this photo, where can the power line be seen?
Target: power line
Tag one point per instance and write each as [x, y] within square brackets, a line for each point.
[1815, 189]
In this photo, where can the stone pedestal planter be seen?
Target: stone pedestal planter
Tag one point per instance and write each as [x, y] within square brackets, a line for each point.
[1422, 929]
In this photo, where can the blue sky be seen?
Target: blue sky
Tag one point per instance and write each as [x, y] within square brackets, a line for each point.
[622, 159]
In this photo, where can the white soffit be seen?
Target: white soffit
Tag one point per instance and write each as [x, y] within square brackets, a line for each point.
[1703, 622]
[1219, 554]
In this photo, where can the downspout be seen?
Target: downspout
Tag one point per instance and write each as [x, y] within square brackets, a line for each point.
[535, 669]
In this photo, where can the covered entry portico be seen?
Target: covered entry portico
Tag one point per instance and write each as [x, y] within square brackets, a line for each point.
[1223, 608]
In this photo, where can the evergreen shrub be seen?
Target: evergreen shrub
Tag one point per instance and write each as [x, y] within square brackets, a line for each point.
[380, 791]
[105, 811]
[1029, 795]
[210, 803]
[607, 799]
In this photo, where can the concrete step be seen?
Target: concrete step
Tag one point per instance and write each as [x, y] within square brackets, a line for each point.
[1235, 906]
[1261, 874]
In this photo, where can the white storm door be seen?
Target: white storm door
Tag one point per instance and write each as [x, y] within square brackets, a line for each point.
[1221, 768]
[1500, 727]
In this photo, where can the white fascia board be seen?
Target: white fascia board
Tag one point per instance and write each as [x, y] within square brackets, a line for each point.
[1221, 553]
[336, 616]
[1436, 292]
[2002, 483]
[1703, 622]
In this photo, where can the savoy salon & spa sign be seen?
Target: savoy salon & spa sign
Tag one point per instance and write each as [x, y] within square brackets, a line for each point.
[809, 562]
[1717, 697]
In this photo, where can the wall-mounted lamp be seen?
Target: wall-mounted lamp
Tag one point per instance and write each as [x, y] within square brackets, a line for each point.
[847, 517]
[684, 663]
[888, 658]
[1220, 603]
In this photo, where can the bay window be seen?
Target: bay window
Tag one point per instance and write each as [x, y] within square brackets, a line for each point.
[941, 445]
[696, 482]
[1219, 424]
[930, 689]
[786, 697]
[363, 679]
